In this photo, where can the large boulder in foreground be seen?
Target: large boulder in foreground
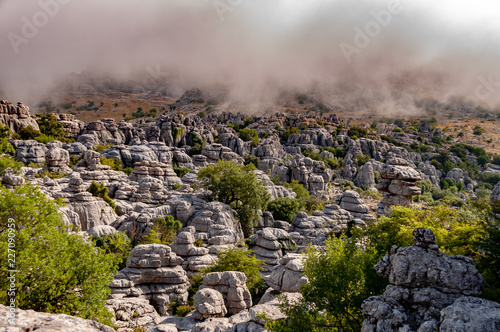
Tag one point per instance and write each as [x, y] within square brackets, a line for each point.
[29, 320]
[427, 291]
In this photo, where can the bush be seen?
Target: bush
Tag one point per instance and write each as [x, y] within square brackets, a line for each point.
[164, 231]
[115, 164]
[478, 130]
[100, 190]
[290, 130]
[241, 260]
[50, 175]
[249, 135]
[181, 171]
[28, 133]
[58, 272]
[483, 160]
[360, 159]
[176, 132]
[251, 159]
[10, 163]
[118, 244]
[340, 277]
[6, 147]
[496, 159]
[284, 208]
[356, 132]
[237, 186]
[297, 188]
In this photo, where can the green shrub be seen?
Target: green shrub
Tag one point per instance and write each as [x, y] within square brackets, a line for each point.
[115, 164]
[249, 135]
[356, 132]
[10, 163]
[297, 188]
[241, 260]
[50, 175]
[58, 272]
[181, 171]
[251, 159]
[478, 130]
[6, 147]
[102, 147]
[163, 231]
[360, 159]
[237, 186]
[340, 277]
[176, 186]
[313, 203]
[100, 190]
[183, 310]
[118, 244]
[284, 208]
[28, 133]
[176, 132]
[290, 130]
[496, 159]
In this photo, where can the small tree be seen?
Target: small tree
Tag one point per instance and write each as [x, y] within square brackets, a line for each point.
[58, 272]
[163, 231]
[284, 208]
[237, 186]
[237, 259]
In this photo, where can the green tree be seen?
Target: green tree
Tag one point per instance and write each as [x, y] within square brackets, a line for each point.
[285, 208]
[237, 259]
[163, 230]
[9, 163]
[100, 190]
[58, 272]
[340, 277]
[237, 186]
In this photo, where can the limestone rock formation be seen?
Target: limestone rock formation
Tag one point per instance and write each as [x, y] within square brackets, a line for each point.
[316, 227]
[131, 312]
[269, 245]
[288, 275]
[471, 314]
[232, 286]
[351, 201]
[154, 273]
[30, 151]
[29, 320]
[56, 158]
[423, 282]
[209, 303]
[398, 183]
[16, 117]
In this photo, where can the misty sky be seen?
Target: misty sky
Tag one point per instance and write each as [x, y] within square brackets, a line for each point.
[248, 44]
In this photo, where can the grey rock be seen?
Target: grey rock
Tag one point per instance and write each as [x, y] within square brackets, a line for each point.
[471, 314]
[29, 320]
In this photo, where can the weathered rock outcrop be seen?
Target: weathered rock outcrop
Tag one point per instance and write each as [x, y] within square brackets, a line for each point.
[423, 282]
[16, 117]
[154, 273]
[30, 151]
[288, 275]
[398, 183]
[209, 303]
[270, 244]
[315, 228]
[132, 312]
[232, 286]
[29, 320]
[351, 201]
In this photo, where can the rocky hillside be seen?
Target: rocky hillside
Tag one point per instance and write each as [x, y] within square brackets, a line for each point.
[352, 174]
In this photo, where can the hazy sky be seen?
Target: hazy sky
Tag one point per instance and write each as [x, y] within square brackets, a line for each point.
[250, 42]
